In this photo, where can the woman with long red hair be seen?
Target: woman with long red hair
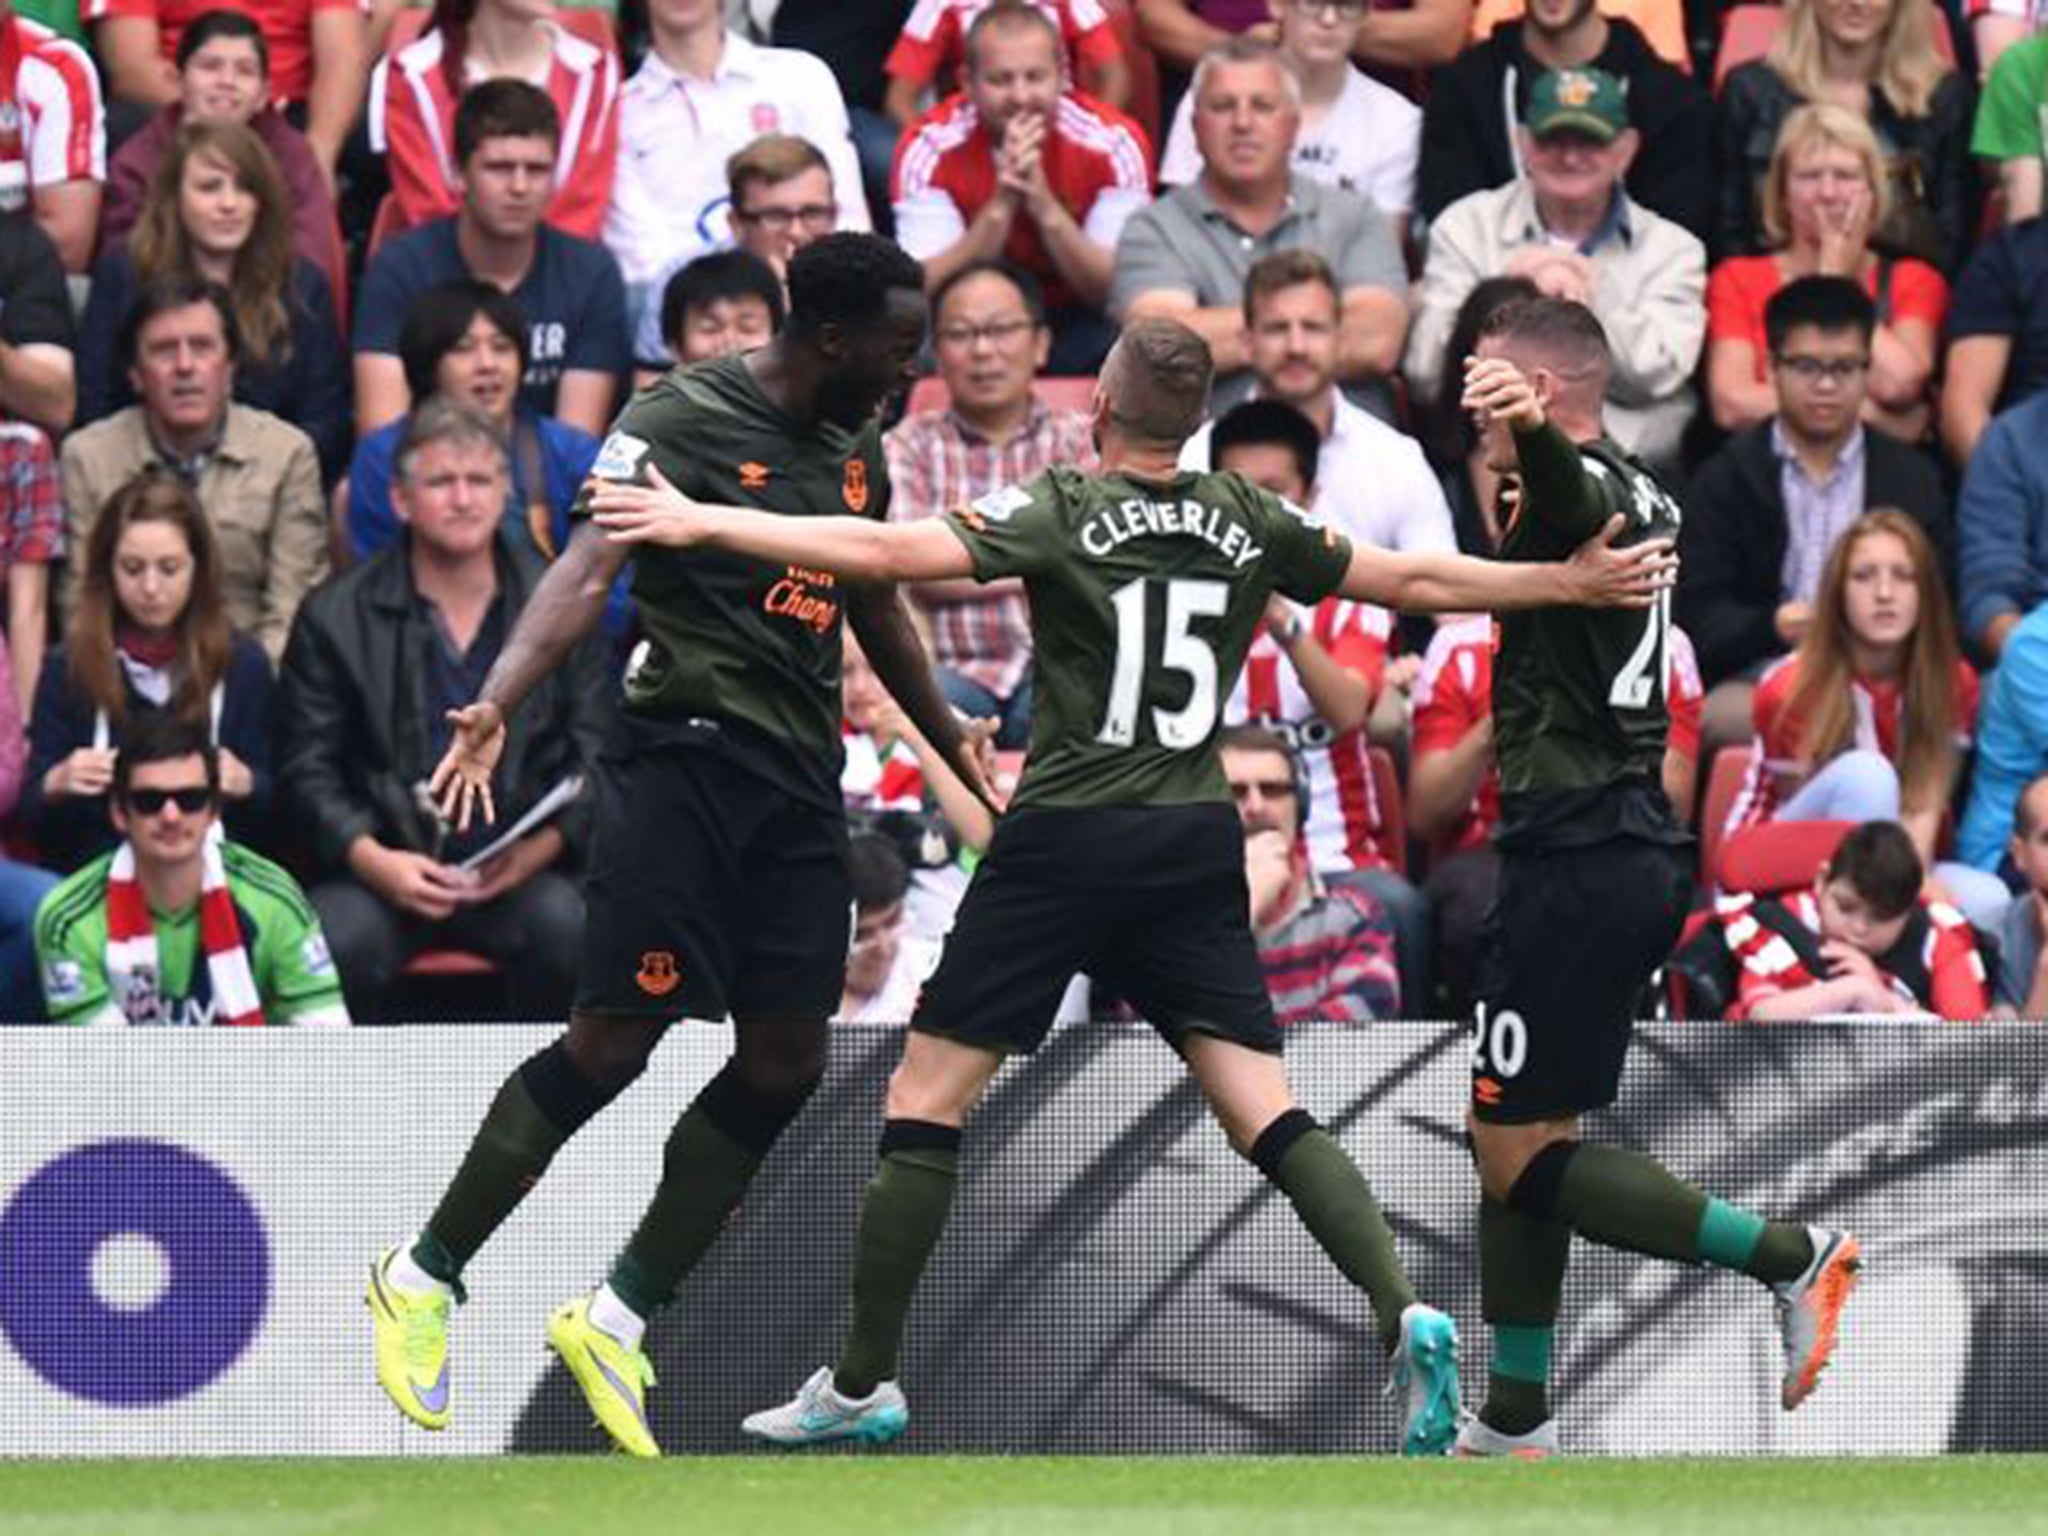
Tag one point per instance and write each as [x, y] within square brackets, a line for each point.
[1869, 719]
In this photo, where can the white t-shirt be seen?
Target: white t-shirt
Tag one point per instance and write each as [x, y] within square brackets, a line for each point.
[1367, 142]
[1373, 484]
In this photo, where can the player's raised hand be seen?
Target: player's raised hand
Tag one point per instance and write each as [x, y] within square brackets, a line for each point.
[461, 785]
[654, 513]
[1603, 576]
[1496, 390]
[976, 762]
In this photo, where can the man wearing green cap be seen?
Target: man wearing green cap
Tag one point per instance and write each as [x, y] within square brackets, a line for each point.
[1568, 225]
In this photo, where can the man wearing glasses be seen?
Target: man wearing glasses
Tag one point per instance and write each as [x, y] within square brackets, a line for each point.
[1761, 514]
[178, 926]
[1018, 165]
[990, 337]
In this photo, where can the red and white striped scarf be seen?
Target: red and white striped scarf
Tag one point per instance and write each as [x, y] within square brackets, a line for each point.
[134, 976]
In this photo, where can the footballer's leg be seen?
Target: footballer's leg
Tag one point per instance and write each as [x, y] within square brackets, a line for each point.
[1249, 1091]
[711, 1158]
[902, 1216]
[536, 1110]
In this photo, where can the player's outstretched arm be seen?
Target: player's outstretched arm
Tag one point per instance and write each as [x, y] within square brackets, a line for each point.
[565, 607]
[853, 547]
[898, 657]
[1598, 575]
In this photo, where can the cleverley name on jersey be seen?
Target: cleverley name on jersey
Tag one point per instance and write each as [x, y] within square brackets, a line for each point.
[1138, 517]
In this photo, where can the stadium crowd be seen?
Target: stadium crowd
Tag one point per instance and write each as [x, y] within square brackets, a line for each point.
[314, 315]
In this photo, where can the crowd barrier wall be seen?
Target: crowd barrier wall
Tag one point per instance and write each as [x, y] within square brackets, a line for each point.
[186, 1219]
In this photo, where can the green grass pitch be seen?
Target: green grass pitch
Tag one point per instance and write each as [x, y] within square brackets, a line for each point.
[1023, 1496]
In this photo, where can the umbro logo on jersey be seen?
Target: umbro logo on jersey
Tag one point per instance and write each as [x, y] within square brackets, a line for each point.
[753, 476]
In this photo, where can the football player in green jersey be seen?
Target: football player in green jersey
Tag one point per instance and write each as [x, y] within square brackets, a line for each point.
[718, 881]
[1595, 881]
[1121, 854]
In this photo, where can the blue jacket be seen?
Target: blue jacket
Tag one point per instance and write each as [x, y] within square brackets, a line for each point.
[2003, 519]
[2012, 740]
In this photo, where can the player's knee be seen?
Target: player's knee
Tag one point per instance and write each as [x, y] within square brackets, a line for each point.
[750, 1114]
[565, 1089]
[1536, 1179]
[611, 1053]
[782, 1059]
[1269, 1148]
[924, 1096]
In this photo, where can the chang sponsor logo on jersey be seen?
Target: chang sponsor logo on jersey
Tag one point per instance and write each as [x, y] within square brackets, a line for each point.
[1138, 518]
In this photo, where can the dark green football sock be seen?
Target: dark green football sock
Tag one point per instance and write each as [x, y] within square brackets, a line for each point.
[704, 1175]
[901, 1219]
[711, 1157]
[1337, 1206]
[512, 1149]
[1625, 1200]
[1521, 1277]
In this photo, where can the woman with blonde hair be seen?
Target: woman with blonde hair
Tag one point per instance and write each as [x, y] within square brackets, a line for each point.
[216, 208]
[1869, 719]
[149, 633]
[1878, 60]
[1825, 195]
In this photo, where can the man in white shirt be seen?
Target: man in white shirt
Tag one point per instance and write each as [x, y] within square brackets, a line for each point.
[1372, 482]
[702, 94]
[1355, 132]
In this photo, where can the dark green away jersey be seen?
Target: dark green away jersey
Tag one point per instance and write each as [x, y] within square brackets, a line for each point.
[727, 637]
[1145, 597]
[1579, 710]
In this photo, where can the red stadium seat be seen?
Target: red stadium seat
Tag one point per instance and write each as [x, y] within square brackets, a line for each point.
[1780, 855]
[449, 962]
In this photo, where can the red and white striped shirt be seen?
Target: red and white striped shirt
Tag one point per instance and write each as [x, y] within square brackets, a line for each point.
[934, 39]
[938, 462]
[1777, 759]
[52, 126]
[1096, 162]
[412, 122]
[1343, 825]
[1935, 964]
[1455, 692]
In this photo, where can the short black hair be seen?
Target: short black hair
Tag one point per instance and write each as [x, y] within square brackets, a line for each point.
[441, 316]
[1555, 325]
[1027, 286]
[503, 109]
[880, 877]
[162, 736]
[1824, 303]
[1880, 862]
[175, 291]
[1267, 422]
[212, 24]
[720, 275]
[846, 278]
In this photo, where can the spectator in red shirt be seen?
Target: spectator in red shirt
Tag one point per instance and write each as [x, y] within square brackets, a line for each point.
[1864, 940]
[224, 77]
[318, 58]
[53, 135]
[1824, 197]
[934, 42]
[413, 95]
[1869, 718]
[31, 541]
[1019, 166]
